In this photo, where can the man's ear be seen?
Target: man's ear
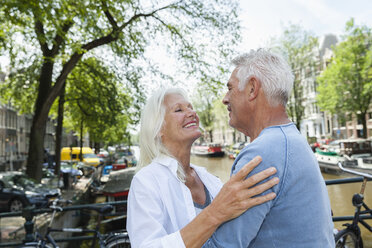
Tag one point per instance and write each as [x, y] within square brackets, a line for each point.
[253, 87]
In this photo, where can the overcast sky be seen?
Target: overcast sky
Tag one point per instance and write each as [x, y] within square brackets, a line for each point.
[267, 18]
[263, 19]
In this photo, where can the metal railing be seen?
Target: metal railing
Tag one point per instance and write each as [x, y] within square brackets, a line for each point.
[30, 212]
[346, 181]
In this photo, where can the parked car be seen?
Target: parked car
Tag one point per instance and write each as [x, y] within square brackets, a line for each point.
[18, 191]
[103, 152]
[101, 158]
[121, 163]
[127, 155]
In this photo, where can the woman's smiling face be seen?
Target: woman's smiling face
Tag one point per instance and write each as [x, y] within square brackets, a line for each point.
[181, 123]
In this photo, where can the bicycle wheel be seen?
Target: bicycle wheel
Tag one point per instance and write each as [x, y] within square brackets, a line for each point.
[347, 239]
[118, 241]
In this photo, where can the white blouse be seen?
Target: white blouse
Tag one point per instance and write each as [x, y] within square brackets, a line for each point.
[160, 205]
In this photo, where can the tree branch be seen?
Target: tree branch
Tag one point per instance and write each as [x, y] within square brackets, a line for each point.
[40, 34]
[109, 16]
[82, 109]
[67, 68]
[173, 31]
[59, 39]
[136, 16]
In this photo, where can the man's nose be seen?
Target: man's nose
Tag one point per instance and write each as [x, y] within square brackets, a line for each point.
[225, 100]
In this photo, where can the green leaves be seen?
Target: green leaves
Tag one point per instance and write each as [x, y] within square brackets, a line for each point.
[345, 85]
[95, 96]
[46, 39]
[301, 49]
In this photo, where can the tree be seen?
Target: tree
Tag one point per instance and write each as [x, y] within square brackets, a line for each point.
[301, 51]
[46, 39]
[222, 118]
[97, 99]
[207, 92]
[345, 86]
[204, 109]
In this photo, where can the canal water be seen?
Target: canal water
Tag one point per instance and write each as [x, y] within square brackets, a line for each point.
[340, 195]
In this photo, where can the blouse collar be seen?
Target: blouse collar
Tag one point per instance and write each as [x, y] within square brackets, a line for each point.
[172, 164]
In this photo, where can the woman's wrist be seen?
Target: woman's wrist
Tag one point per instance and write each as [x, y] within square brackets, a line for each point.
[213, 216]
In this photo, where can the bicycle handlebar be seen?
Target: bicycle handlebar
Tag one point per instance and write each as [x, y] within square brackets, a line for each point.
[367, 175]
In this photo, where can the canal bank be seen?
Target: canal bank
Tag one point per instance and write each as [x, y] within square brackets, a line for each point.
[340, 195]
[12, 228]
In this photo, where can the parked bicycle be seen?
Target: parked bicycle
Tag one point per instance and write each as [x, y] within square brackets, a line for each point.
[111, 240]
[350, 236]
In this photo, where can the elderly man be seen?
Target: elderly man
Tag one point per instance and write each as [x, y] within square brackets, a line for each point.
[300, 215]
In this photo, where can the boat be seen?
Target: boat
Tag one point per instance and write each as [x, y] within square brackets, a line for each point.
[355, 153]
[117, 189]
[235, 149]
[209, 150]
[364, 160]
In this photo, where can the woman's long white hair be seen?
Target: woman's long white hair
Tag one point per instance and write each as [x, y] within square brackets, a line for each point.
[152, 120]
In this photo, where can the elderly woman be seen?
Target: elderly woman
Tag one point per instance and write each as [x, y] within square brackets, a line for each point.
[171, 202]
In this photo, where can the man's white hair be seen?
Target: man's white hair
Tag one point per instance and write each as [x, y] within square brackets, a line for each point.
[270, 69]
[152, 120]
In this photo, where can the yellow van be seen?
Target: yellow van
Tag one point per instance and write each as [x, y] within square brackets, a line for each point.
[72, 153]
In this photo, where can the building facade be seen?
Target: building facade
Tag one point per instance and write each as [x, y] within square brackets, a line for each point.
[15, 135]
[314, 122]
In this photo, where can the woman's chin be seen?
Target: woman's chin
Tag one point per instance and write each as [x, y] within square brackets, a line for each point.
[197, 135]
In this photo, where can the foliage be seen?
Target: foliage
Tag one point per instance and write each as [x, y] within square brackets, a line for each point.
[301, 50]
[204, 109]
[96, 99]
[345, 86]
[222, 117]
[45, 40]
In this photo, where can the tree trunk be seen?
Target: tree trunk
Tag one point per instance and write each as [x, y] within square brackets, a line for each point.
[211, 135]
[46, 96]
[364, 123]
[39, 122]
[97, 147]
[81, 141]
[298, 120]
[36, 149]
[61, 103]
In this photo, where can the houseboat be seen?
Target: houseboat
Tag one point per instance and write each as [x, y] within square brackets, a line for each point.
[355, 153]
[210, 150]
